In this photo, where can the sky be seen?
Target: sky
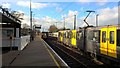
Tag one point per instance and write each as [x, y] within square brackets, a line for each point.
[48, 12]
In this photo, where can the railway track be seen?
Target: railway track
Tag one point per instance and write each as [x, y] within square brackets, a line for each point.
[72, 58]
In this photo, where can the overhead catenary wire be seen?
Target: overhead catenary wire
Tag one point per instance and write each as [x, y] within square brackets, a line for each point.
[65, 8]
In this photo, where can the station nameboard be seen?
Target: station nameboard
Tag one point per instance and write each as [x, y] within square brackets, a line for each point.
[38, 26]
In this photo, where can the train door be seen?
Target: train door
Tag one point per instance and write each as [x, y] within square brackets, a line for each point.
[112, 36]
[103, 41]
[74, 37]
[108, 41]
[58, 36]
[70, 36]
[62, 36]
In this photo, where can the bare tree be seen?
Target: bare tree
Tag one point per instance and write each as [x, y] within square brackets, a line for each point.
[53, 28]
[17, 14]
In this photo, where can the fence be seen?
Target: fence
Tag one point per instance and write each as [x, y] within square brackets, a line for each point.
[16, 42]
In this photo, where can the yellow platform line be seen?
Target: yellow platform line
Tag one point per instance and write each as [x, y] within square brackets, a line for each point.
[52, 57]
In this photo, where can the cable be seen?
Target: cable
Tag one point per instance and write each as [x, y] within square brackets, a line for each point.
[64, 9]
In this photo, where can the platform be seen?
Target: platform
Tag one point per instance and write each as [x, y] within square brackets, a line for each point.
[37, 53]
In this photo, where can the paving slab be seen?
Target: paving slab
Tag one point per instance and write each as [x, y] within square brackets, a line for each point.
[35, 54]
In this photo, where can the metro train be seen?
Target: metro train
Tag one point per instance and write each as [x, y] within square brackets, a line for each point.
[102, 43]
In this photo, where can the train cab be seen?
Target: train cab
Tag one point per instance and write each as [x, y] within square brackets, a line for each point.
[44, 35]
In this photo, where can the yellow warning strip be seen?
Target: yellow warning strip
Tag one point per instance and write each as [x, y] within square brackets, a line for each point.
[52, 57]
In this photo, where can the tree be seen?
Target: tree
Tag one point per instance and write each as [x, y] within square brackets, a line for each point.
[53, 28]
[17, 14]
[25, 26]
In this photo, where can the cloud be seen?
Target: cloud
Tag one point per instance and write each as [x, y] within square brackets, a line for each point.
[33, 5]
[20, 11]
[107, 16]
[101, 2]
[72, 13]
[5, 5]
[46, 22]
[84, 0]
[58, 9]
[98, 0]
[69, 18]
[26, 19]
[57, 0]
[49, 19]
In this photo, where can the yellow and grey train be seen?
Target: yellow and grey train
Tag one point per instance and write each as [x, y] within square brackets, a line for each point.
[100, 42]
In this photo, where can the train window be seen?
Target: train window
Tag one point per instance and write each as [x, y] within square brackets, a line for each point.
[77, 34]
[59, 34]
[104, 36]
[70, 34]
[64, 35]
[89, 34]
[112, 37]
[74, 35]
[118, 38]
[67, 34]
[97, 36]
[80, 35]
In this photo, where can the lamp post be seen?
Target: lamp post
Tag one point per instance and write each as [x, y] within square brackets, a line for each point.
[97, 19]
[30, 16]
[31, 36]
[56, 24]
[33, 20]
[74, 22]
[64, 22]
